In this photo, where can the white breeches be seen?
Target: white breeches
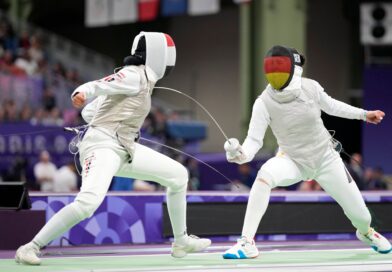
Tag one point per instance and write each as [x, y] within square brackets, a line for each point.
[332, 177]
[103, 158]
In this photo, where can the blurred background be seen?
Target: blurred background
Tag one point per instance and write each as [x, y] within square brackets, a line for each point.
[48, 48]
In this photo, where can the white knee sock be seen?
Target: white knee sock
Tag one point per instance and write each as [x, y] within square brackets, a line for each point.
[62, 221]
[176, 205]
[257, 205]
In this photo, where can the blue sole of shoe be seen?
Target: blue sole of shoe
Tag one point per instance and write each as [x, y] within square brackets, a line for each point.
[382, 251]
[240, 255]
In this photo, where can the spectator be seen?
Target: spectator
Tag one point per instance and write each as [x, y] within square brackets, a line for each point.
[58, 70]
[147, 124]
[42, 68]
[52, 118]
[158, 123]
[35, 51]
[2, 34]
[26, 112]
[10, 38]
[24, 40]
[25, 63]
[73, 77]
[17, 170]
[355, 169]
[376, 180]
[247, 174]
[65, 179]
[38, 117]
[7, 64]
[10, 111]
[194, 175]
[44, 172]
[48, 100]
[2, 113]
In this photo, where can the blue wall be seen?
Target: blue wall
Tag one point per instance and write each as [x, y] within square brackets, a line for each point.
[377, 140]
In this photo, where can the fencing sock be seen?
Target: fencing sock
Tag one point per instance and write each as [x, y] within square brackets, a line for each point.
[257, 205]
[176, 205]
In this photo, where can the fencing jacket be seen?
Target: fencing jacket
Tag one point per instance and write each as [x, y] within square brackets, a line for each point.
[124, 102]
[294, 116]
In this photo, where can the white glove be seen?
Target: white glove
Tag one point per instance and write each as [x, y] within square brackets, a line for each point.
[234, 152]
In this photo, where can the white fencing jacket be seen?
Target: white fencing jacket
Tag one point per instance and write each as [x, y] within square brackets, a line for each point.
[124, 101]
[294, 116]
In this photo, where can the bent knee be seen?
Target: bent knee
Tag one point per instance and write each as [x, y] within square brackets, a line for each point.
[87, 209]
[87, 204]
[179, 179]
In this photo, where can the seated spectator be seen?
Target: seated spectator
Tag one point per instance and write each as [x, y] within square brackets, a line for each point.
[8, 66]
[10, 111]
[38, 117]
[25, 63]
[375, 179]
[247, 174]
[2, 113]
[58, 70]
[44, 172]
[48, 100]
[65, 179]
[2, 34]
[52, 118]
[355, 169]
[24, 40]
[194, 175]
[17, 170]
[26, 112]
[42, 68]
[158, 123]
[35, 51]
[10, 38]
[73, 77]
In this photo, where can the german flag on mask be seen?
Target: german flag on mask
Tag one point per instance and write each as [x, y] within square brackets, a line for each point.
[279, 66]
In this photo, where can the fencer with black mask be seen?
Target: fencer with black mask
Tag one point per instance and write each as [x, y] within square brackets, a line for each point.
[122, 102]
[291, 105]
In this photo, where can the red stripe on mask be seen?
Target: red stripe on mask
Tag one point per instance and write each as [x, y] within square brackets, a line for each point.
[169, 40]
[277, 64]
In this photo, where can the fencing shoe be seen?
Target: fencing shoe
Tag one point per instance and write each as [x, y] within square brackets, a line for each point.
[243, 249]
[192, 244]
[374, 239]
[28, 254]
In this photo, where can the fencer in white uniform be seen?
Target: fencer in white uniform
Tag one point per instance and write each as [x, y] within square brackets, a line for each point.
[108, 148]
[291, 105]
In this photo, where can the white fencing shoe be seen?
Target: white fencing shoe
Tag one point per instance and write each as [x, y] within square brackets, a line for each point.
[28, 254]
[243, 249]
[192, 244]
[374, 239]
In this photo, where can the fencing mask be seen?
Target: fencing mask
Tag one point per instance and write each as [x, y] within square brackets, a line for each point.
[156, 50]
[279, 64]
